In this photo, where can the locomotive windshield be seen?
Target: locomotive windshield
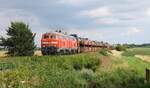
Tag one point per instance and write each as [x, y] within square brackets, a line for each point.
[49, 36]
[46, 36]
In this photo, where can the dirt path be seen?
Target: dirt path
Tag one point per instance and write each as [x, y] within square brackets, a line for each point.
[38, 53]
[116, 53]
[143, 57]
[2, 54]
[105, 62]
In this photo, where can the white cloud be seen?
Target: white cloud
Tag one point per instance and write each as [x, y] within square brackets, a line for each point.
[132, 31]
[98, 12]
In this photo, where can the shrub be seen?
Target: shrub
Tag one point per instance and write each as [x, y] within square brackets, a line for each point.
[87, 63]
[77, 66]
[105, 52]
[91, 63]
[121, 47]
[87, 74]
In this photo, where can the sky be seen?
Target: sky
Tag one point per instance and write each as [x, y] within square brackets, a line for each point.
[113, 21]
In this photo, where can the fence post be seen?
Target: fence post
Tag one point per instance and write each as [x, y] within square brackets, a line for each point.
[147, 75]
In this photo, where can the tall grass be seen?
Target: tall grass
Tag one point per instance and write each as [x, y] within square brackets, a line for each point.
[132, 76]
[72, 71]
[48, 71]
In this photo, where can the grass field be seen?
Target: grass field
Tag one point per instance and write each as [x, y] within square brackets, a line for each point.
[3, 53]
[137, 51]
[86, 70]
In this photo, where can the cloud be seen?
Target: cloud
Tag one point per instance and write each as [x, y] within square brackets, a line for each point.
[131, 16]
[98, 12]
[74, 2]
[100, 15]
[9, 15]
[148, 12]
[132, 31]
[107, 21]
[89, 17]
[96, 35]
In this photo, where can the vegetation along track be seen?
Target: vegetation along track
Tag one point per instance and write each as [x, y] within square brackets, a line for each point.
[85, 70]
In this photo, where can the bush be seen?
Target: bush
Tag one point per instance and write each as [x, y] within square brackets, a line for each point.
[87, 74]
[77, 66]
[87, 63]
[105, 52]
[121, 47]
[92, 63]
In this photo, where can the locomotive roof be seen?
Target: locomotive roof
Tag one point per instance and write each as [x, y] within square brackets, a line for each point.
[57, 33]
[62, 34]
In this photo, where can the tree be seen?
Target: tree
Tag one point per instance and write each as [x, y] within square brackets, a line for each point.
[20, 40]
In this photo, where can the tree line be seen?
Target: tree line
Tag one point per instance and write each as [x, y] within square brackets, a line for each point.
[146, 45]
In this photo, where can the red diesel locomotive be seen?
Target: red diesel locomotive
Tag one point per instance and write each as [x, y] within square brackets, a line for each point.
[59, 43]
[54, 43]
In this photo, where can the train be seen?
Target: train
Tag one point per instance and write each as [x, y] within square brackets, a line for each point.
[63, 43]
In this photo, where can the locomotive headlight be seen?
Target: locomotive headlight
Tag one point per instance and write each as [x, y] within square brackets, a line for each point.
[54, 42]
[44, 42]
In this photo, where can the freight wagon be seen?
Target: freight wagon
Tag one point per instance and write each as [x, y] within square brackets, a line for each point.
[60, 43]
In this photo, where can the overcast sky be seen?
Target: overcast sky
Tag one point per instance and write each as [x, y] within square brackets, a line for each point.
[113, 21]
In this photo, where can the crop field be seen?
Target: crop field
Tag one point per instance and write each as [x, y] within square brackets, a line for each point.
[137, 51]
[86, 70]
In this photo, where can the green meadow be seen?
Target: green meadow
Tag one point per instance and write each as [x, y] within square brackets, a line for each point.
[86, 70]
